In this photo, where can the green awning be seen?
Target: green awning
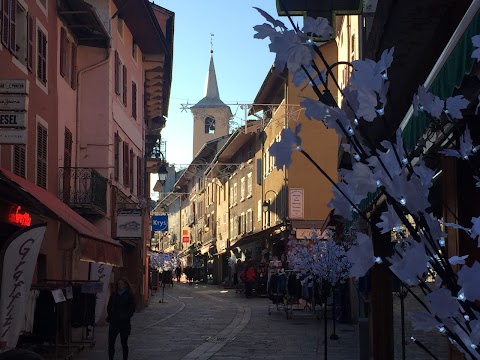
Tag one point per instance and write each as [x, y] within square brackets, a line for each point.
[450, 76]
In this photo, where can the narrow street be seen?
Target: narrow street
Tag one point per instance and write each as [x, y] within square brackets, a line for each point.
[207, 322]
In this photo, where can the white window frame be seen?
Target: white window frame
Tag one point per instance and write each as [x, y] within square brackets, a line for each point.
[249, 221]
[43, 7]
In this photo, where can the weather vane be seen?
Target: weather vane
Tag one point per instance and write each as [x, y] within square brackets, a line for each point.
[211, 42]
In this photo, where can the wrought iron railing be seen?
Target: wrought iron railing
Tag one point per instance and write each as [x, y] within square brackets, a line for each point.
[83, 189]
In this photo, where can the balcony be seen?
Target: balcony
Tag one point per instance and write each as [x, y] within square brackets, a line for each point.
[191, 220]
[84, 190]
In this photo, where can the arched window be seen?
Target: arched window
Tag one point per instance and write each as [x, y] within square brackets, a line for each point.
[209, 125]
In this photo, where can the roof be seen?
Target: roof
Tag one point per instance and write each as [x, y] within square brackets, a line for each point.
[212, 95]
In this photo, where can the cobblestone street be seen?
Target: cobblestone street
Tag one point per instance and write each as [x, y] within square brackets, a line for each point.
[208, 322]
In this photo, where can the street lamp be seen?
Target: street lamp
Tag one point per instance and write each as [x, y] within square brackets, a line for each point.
[266, 206]
[162, 173]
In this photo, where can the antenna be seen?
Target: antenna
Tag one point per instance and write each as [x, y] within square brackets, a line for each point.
[211, 43]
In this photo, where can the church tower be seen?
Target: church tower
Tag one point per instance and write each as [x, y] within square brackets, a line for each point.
[211, 116]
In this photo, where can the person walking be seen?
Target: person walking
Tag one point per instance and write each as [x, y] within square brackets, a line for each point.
[178, 273]
[248, 277]
[120, 309]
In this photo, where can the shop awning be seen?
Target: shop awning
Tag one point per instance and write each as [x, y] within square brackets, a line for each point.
[94, 245]
[447, 74]
[263, 234]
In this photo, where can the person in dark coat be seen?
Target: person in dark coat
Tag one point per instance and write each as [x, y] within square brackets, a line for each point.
[120, 309]
[178, 273]
[20, 354]
[248, 277]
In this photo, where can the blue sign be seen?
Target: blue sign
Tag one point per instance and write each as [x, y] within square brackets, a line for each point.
[160, 223]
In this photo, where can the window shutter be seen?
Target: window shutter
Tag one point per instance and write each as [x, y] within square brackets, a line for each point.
[41, 156]
[73, 80]
[67, 158]
[19, 160]
[117, 74]
[124, 85]
[116, 150]
[126, 164]
[30, 32]
[42, 57]
[13, 10]
[139, 176]
[63, 51]
[134, 100]
[6, 22]
[130, 175]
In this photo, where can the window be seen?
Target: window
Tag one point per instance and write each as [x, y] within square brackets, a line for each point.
[242, 189]
[73, 67]
[31, 31]
[41, 156]
[126, 165]
[231, 195]
[42, 57]
[19, 158]
[116, 156]
[231, 228]
[134, 50]
[67, 153]
[8, 24]
[259, 210]
[249, 220]
[249, 185]
[117, 73]
[134, 100]
[234, 193]
[209, 125]
[124, 87]
[139, 176]
[242, 223]
[130, 175]
[120, 26]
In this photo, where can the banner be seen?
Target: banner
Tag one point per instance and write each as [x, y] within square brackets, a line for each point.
[160, 223]
[129, 223]
[100, 272]
[18, 259]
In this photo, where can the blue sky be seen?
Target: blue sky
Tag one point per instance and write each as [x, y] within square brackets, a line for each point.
[241, 62]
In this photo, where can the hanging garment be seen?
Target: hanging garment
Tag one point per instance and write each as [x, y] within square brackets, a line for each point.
[30, 304]
[45, 318]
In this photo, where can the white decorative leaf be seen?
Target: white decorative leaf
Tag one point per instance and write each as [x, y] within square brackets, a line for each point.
[457, 260]
[389, 219]
[442, 304]
[340, 204]
[361, 256]
[282, 151]
[318, 26]
[270, 19]
[455, 104]
[476, 43]
[264, 31]
[290, 51]
[431, 103]
[412, 264]
[475, 228]
[469, 280]
[423, 321]
[466, 148]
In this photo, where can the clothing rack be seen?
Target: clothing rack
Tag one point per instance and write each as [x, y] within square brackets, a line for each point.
[54, 284]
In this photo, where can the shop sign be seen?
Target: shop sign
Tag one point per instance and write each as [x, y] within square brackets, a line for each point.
[102, 273]
[296, 204]
[13, 102]
[13, 136]
[18, 217]
[18, 258]
[369, 6]
[160, 223]
[11, 119]
[185, 236]
[129, 223]
[301, 234]
[14, 86]
[58, 296]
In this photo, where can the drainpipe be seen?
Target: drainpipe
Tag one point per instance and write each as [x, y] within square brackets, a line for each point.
[77, 120]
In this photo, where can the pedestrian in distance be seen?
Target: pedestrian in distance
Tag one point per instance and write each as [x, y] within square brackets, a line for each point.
[178, 273]
[248, 278]
[120, 309]
[20, 354]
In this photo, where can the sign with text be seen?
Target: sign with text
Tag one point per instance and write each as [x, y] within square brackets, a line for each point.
[295, 210]
[13, 136]
[129, 223]
[14, 86]
[185, 236]
[13, 102]
[11, 119]
[18, 258]
[160, 223]
[58, 296]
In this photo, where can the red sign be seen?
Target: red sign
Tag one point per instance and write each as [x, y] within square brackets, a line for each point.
[19, 218]
[186, 239]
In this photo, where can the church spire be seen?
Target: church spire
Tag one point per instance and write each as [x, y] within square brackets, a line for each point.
[212, 96]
